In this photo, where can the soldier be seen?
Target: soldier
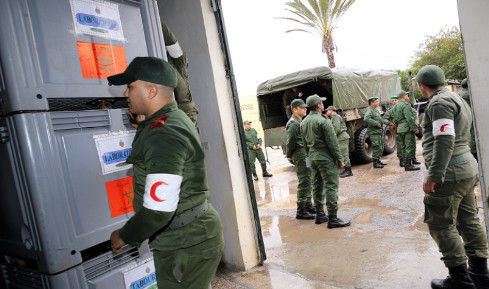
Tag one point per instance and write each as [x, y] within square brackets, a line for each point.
[450, 203]
[404, 117]
[343, 138]
[170, 182]
[288, 96]
[297, 154]
[253, 144]
[388, 119]
[324, 153]
[464, 93]
[375, 131]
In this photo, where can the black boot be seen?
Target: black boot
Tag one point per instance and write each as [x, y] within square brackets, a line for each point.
[408, 166]
[384, 164]
[478, 272]
[310, 207]
[321, 217]
[378, 164]
[335, 222]
[402, 163]
[346, 173]
[255, 177]
[267, 174]
[458, 279]
[303, 214]
[415, 162]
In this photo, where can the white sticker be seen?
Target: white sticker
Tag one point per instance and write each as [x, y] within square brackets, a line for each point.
[113, 150]
[162, 192]
[443, 126]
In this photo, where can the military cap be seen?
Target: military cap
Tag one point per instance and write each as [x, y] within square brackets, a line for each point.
[402, 93]
[247, 122]
[150, 69]
[464, 83]
[394, 97]
[373, 98]
[430, 75]
[331, 107]
[313, 100]
[297, 102]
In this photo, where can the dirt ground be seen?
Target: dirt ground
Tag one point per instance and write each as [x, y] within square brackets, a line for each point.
[386, 246]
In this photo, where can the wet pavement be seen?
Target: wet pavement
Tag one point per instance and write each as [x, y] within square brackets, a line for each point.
[386, 246]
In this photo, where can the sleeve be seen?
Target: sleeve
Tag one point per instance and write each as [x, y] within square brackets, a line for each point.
[369, 118]
[258, 138]
[306, 147]
[292, 132]
[332, 141]
[336, 122]
[444, 141]
[408, 115]
[165, 161]
[387, 119]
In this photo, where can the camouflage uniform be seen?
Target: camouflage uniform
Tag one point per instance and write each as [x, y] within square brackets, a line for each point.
[388, 119]
[342, 135]
[464, 93]
[406, 128]
[252, 139]
[287, 98]
[374, 119]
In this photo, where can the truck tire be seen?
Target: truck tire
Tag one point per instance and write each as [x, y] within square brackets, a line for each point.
[363, 146]
[419, 135]
[389, 140]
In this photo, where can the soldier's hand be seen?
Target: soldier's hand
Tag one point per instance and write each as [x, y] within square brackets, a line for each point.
[342, 165]
[416, 132]
[428, 187]
[135, 119]
[289, 159]
[380, 125]
[254, 147]
[258, 146]
[116, 242]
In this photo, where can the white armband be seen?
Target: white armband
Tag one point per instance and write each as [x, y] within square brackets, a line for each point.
[162, 192]
[175, 50]
[443, 126]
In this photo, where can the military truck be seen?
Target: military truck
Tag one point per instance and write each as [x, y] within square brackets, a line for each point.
[347, 89]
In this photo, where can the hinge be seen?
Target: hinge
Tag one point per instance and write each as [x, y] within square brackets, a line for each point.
[4, 137]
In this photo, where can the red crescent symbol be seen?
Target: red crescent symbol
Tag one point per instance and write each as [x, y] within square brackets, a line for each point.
[152, 192]
[442, 128]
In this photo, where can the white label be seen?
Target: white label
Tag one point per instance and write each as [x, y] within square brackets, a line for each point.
[113, 150]
[141, 277]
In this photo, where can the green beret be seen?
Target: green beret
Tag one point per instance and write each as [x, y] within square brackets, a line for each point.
[297, 102]
[402, 93]
[373, 98]
[332, 107]
[150, 69]
[313, 100]
[464, 83]
[394, 97]
[430, 75]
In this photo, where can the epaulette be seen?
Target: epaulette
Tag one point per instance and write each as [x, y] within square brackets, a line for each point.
[292, 119]
[159, 122]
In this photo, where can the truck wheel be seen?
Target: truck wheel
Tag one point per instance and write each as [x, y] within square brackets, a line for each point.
[389, 140]
[420, 129]
[363, 146]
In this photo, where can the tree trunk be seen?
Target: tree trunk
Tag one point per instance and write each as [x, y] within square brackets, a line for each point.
[328, 48]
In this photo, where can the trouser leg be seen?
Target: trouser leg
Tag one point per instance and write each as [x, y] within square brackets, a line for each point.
[317, 187]
[330, 175]
[252, 158]
[343, 144]
[304, 179]
[261, 158]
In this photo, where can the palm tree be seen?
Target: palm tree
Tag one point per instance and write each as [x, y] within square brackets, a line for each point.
[320, 17]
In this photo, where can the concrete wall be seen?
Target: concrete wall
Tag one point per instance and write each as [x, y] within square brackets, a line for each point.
[194, 24]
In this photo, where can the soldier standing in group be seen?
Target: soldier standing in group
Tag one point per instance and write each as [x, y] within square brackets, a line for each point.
[288, 96]
[404, 118]
[343, 138]
[297, 154]
[464, 93]
[375, 131]
[324, 153]
[450, 203]
[253, 144]
[388, 119]
[170, 182]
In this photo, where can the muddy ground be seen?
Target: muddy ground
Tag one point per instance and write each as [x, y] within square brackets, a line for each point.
[386, 246]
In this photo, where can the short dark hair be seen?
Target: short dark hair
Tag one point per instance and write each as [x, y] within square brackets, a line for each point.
[371, 100]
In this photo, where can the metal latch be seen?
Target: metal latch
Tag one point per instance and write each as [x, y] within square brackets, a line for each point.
[4, 134]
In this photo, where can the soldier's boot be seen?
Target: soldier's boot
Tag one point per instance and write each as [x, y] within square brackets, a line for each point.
[335, 222]
[384, 164]
[267, 174]
[410, 167]
[458, 279]
[346, 173]
[310, 207]
[402, 163]
[478, 272]
[415, 162]
[321, 217]
[303, 214]
[255, 177]
[378, 164]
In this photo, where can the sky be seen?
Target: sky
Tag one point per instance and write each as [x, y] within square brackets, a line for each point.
[372, 34]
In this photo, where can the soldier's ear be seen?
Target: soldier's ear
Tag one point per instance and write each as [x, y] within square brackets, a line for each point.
[152, 91]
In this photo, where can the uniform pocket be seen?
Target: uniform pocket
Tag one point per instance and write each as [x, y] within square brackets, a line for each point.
[438, 210]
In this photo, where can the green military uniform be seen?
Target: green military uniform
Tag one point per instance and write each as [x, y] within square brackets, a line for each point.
[343, 137]
[374, 119]
[296, 151]
[464, 93]
[287, 98]
[388, 119]
[185, 256]
[252, 139]
[178, 59]
[451, 211]
[406, 128]
[323, 150]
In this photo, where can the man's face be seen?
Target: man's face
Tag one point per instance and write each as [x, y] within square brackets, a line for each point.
[394, 101]
[300, 112]
[136, 93]
[321, 105]
[375, 103]
[247, 126]
[423, 91]
[329, 112]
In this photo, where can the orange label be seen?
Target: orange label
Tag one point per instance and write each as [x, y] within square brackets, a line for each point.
[101, 60]
[121, 195]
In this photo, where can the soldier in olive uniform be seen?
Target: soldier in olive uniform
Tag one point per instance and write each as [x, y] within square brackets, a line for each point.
[407, 129]
[170, 182]
[253, 144]
[388, 119]
[288, 96]
[343, 138]
[450, 203]
[464, 93]
[375, 131]
[297, 154]
[322, 148]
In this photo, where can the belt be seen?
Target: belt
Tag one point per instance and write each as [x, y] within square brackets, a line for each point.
[188, 216]
[460, 158]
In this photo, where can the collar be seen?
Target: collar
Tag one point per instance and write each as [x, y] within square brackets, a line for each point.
[172, 106]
